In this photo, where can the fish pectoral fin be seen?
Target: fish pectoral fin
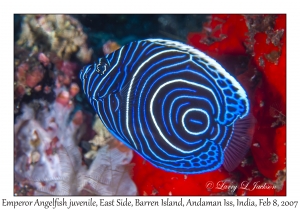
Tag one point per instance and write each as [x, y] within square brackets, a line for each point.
[127, 93]
[239, 143]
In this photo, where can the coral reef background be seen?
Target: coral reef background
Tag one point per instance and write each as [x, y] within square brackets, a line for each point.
[61, 148]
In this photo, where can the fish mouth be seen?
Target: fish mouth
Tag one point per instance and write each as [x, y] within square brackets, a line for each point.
[84, 71]
[81, 74]
[83, 77]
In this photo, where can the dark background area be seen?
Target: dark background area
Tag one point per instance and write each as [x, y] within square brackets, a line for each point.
[124, 28]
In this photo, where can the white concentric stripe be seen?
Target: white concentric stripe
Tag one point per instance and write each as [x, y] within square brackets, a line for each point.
[199, 54]
[215, 137]
[153, 118]
[112, 115]
[190, 110]
[131, 82]
[98, 111]
[239, 92]
[82, 77]
[86, 69]
[104, 112]
[89, 79]
[212, 62]
[116, 63]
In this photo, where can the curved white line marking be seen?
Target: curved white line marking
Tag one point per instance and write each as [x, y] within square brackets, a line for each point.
[153, 118]
[198, 110]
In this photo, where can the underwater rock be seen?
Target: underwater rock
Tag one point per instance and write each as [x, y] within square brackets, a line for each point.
[102, 136]
[49, 160]
[61, 34]
[74, 89]
[109, 174]
[30, 77]
[48, 130]
[109, 47]
[39, 76]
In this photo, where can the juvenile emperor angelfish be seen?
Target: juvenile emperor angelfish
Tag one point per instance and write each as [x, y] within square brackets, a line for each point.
[175, 106]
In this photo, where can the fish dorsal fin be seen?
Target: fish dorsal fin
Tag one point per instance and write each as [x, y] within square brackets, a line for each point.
[190, 50]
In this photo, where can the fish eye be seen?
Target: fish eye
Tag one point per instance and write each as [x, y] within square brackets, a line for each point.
[102, 66]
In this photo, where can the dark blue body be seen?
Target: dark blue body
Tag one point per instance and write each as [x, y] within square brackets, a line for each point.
[172, 104]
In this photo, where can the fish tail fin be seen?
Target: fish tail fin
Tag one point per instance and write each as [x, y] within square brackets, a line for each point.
[240, 142]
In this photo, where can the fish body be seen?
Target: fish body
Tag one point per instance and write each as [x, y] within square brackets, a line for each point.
[174, 105]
